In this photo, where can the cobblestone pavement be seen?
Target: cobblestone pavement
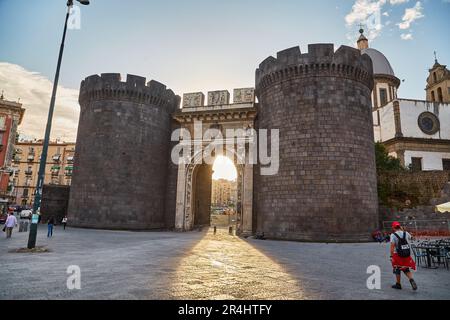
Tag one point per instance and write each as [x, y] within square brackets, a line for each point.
[200, 265]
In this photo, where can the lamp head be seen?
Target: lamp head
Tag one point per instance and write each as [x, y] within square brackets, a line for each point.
[83, 2]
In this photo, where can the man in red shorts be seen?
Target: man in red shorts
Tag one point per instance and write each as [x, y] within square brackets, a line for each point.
[401, 255]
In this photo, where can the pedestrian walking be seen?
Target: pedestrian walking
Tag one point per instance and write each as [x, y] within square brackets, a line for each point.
[64, 222]
[10, 223]
[401, 255]
[51, 223]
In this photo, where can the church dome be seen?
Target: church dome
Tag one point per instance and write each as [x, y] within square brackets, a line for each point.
[381, 64]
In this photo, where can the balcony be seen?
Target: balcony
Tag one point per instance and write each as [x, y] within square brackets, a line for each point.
[28, 172]
[70, 159]
[68, 171]
[30, 158]
[56, 158]
[18, 151]
[17, 158]
[55, 171]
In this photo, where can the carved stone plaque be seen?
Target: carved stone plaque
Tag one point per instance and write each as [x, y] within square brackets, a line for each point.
[217, 98]
[244, 95]
[192, 100]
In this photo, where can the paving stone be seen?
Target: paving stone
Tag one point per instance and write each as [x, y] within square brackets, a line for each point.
[159, 265]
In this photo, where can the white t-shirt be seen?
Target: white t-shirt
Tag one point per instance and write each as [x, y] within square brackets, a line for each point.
[394, 239]
[11, 221]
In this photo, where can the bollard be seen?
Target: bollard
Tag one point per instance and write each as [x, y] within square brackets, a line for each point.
[230, 230]
[215, 229]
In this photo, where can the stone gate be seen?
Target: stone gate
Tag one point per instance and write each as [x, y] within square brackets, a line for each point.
[194, 175]
[325, 186]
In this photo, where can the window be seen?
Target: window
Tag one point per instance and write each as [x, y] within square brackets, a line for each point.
[2, 123]
[448, 89]
[383, 97]
[433, 98]
[416, 164]
[446, 164]
[434, 77]
[29, 171]
[429, 123]
[25, 193]
[440, 97]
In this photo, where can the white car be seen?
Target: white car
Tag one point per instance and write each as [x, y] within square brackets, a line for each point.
[26, 214]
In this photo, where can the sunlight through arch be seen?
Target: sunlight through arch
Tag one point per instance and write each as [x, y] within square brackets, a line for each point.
[224, 168]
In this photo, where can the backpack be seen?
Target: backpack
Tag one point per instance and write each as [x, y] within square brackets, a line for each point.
[403, 248]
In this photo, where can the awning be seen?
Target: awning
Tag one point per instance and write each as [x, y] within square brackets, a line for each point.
[443, 208]
[69, 168]
[56, 167]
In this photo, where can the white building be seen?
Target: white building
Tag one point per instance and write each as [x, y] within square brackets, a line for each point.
[417, 132]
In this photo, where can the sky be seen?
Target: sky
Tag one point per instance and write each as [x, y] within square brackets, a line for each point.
[224, 168]
[198, 45]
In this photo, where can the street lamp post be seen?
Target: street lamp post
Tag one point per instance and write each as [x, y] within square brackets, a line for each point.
[43, 159]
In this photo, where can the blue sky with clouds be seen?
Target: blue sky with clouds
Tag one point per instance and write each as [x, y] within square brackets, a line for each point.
[201, 45]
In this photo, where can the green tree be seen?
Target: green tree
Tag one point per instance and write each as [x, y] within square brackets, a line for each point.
[384, 161]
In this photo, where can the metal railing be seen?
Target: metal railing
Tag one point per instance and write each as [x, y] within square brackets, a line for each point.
[436, 228]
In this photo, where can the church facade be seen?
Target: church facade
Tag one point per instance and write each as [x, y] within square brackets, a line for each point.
[415, 131]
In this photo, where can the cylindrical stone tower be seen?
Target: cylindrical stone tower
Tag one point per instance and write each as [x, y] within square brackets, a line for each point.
[326, 187]
[122, 154]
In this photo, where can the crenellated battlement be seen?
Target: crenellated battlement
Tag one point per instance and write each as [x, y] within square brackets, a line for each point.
[321, 60]
[109, 86]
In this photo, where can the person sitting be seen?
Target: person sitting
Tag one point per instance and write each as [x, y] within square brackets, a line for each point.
[377, 236]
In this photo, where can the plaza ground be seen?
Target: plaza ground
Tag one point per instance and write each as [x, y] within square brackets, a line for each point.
[200, 265]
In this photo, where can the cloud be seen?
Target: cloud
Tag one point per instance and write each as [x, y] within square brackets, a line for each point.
[370, 14]
[362, 10]
[411, 15]
[367, 12]
[34, 91]
[406, 36]
[394, 2]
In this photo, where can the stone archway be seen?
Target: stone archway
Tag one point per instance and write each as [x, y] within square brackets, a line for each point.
[195, 178]
[239, 115]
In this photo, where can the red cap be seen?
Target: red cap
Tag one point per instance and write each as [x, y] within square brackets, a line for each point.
[396, 225]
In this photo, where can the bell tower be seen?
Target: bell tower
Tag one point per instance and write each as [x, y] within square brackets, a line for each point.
[438, 83]
[363, 42]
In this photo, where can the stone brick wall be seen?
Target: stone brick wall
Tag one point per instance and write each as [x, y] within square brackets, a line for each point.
[55, 201]
[121, 161]
[326, 188]
[423, 190]
[171, 188]
[418, 188]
